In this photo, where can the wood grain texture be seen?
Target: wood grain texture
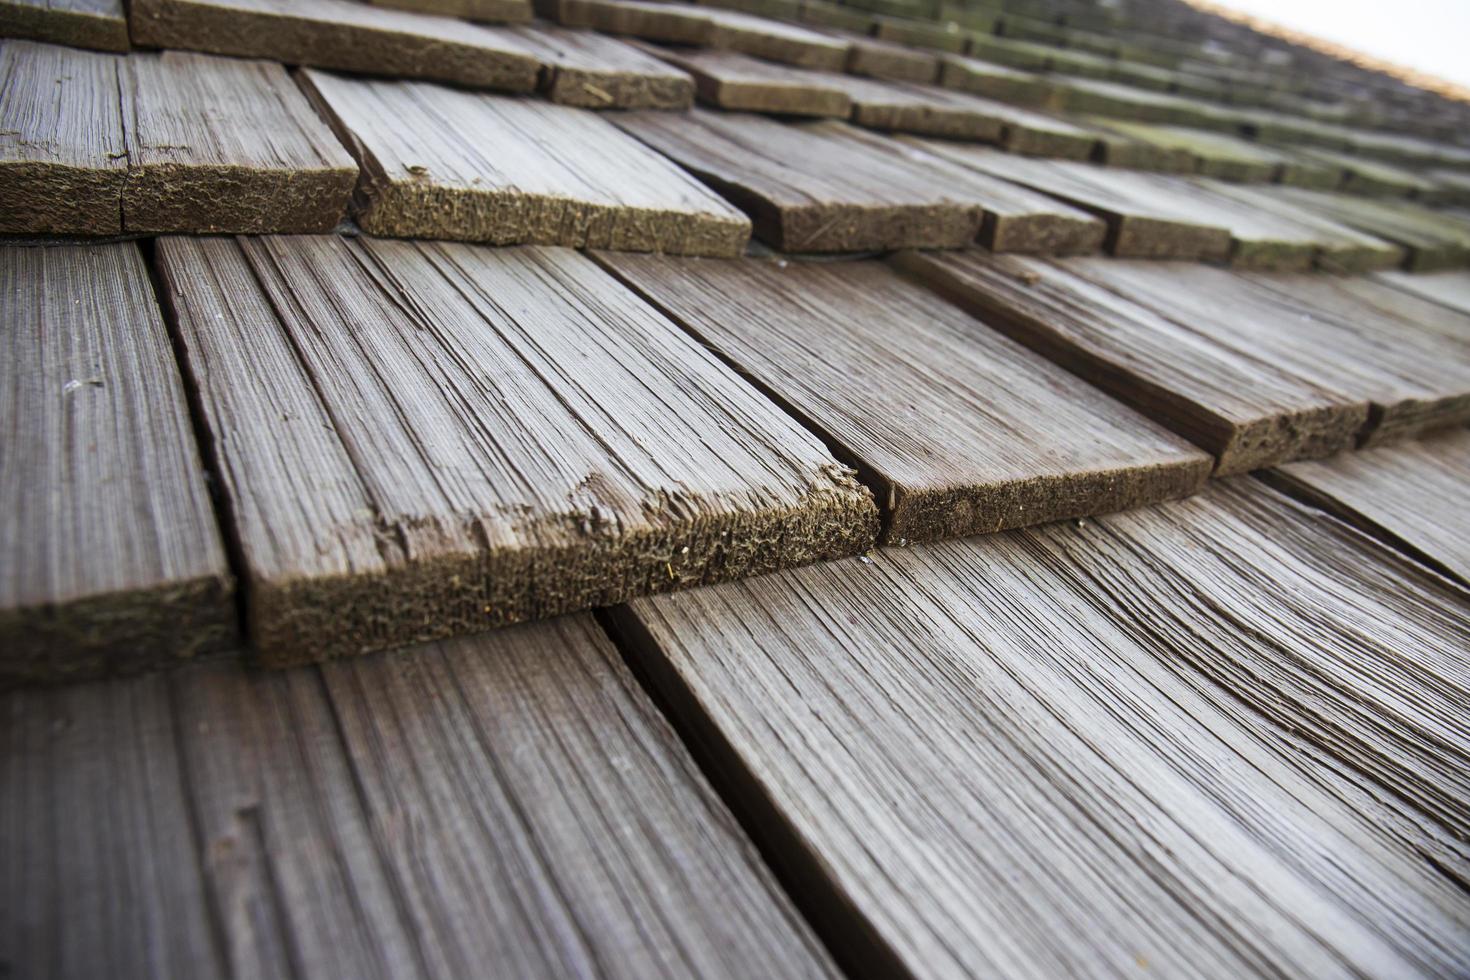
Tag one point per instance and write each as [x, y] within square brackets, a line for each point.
[1144, 219]
[812, 187]
[1013, 755]
[492, 436]
[440, 163]
[988, 435]
[1226, 391]
[1227, 157]
[486, 11]
[112, 560]
[221, 144]
[1450, 289]
[745, 84]
[511, 804]
[872, 58]
[341, 34]
[98, 24]
[925, 110]
[1266, 230]
[583, 68]
[789, 44]
[1434, 240]
[63, 157]
[994, 81]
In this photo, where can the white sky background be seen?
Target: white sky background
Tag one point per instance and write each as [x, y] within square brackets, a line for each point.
[1431, 36]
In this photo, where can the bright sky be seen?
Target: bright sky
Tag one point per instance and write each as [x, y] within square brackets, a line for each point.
[1431, 36]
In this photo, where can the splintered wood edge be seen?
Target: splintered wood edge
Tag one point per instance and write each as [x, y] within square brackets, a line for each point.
[590, 89]
[193, 198]
[1043, 234]
[45, 198]
[73, 28]
[305, 619]
[833, 227]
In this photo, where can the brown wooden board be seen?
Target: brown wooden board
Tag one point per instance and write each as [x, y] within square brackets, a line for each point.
[993, 757]
[835, 15]
[511, 804]
[341, 34]
[924, 110]
[812, 187]
[221, 144]
[487, 11]
[594, 71]
[653, 20]
[935, 36]
[110, 557]
[63, 156]
[1450, 289]
[1226, 391]
[789, 44]
[98, 24]
[420, 440]
[1434, 240]
[994, 81]
[873, 58]
[1144, 220]
[958, 429]
[735, 81]
[1414, 495]
[533, 172]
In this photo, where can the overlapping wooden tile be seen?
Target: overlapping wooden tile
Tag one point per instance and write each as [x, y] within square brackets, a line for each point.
[1060, 750]
[1414, 495]
[742, 83]
[98, 24]
[1371, 177]
[872, 58]
[1434, 239]
[923, 109]
[63, 157]
[958, 429]
[511, 803]
[1451, 289]
[532, 173]
[1231, 158]
[221, 144]
[341, 34]
[591, 70]
[421, 439]
[994, 81]
[110, 557]
[486, 11]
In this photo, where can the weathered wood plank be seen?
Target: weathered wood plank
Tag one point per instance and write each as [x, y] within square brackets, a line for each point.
[935, 36]
[1414, 495]
[1434, 240]
[789, 44]
[98, 24]
[994, 81]
[485, 11]
[925, 110]
[991, 435]
[594, 71]
[221, 144]
[872, 58]
[835, 15]
[1227, 157]
[1451, 289]
[738, 82]
[1144, 220]
[110, 558]
[419, 440]
[341, 34]
[533, 172]
[510, 804]
[991, 757]
[63, 156]
[812, 187]
[1370, 177]
[1225, 391]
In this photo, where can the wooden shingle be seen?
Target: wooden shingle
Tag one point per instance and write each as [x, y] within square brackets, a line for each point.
[98, 24]
[420, 440]
[533, 172]
[486, 11]
[110, 557]
[735, 81]
[958, 429]
[594, 71]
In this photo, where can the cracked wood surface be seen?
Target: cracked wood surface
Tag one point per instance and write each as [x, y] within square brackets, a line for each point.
[417, 440]
[442, 163]
[110, 557]
[98, 24]
[220, 144]
[1415, 495]
[511, 802]
[343, 35]
[958, 429]
[1058, 750]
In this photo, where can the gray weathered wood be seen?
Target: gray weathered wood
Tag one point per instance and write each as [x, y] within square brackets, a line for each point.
[994, 81]
[872, 58]
[1435, 240]
[510, 805]
[1144, 219]
[1228, 157]
[789, 44]
[1415, 495]
[110, 557]
[735, 81]
[591, 70]
[419, 440]
[1451, 289]
[221, 144]
[812, 187]
[486, 11]
[986, 435]
[440, 163]
[1371, 177]
[341, 34]
[99, 24]
[1222, 390]
[63, 157]
[1009, 755]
